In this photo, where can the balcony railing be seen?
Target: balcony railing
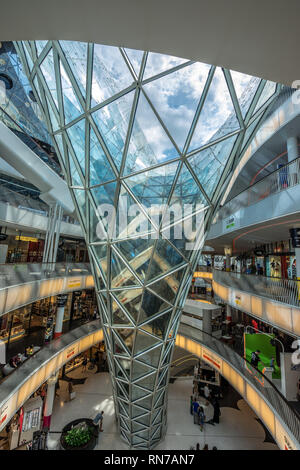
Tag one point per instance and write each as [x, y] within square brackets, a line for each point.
[285, 177]
[15, 274]
[282, 290]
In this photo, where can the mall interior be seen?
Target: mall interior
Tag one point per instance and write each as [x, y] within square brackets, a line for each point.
[149, 229]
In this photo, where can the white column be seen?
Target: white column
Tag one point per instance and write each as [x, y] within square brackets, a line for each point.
[292, 148]
[228, 313]
[49, 400]
[61, 302]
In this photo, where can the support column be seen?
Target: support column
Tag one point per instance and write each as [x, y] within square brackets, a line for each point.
[61, 302]
[228, 314]
[206, 321]
[52, 234]
[292, 148]
[49, 400]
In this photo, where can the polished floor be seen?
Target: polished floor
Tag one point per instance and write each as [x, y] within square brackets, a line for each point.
[238, 428]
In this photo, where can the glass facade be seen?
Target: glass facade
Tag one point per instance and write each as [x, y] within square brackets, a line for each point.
[146, 142]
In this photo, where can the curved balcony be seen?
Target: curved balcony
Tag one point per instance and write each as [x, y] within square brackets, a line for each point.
[24, 381]
[276, 194]
[272, 300]
[22, 284]
[265, 399]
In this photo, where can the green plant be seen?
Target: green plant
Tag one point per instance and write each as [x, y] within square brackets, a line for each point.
[78, 437]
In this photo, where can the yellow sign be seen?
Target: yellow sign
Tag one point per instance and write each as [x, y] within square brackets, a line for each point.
[26, 239]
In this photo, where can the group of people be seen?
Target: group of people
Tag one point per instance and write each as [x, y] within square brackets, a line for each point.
[18, 359]
[197, 410]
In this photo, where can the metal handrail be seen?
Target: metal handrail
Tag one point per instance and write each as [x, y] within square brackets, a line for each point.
[15, 274]
[282, 290]
[288, 414]
[283, 178]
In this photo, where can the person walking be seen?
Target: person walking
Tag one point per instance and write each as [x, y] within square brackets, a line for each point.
[98, 420]
[201, 417]
[206, 391]
[70, 390]
[195, 411]
[84, 364]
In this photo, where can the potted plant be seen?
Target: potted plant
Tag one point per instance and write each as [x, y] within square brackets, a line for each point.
[80, 434]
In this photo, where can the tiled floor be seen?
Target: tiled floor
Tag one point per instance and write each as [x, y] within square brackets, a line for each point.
[238, 429]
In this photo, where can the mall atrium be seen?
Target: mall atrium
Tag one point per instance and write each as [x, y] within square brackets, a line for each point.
[149, 235]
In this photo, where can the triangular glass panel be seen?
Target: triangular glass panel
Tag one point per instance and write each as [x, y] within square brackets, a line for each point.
[112, 121]
[187, 198]
[151, 306]
[76, 135]
[217, 117]
[54, 122]
[155, 433]
[147, 382]
[245, 88]
[152, 189]
[137, 427]
[137, 393]
[136, 411]
[47, 67]
[139, 370]
[75, 178]
[72, 106]
[268, 91]
[123, 389]
[165, 258]
[100, 254]
[59, 141]
[124, 408]
[159, 399]
[208, 167]
[159, 325]
[149, 144]
[121, 276]
[250, 132]
[157, 417]
[168, 354]
[135, 58]
[118, 315]
[146, 402]
[143, 434]
[123, 424]
[145, 420]
[137, 252]
[130, 299]
[130, 219]
[76, 55]
[176, 96]
[110, 73]
[144, 342]
[80, 199]
[158, 63]
[104, 196]
[138, 441]
[100, 169]
[151, 357]
[28, 54]
[40, 45]
[118, 347]
[127, 336]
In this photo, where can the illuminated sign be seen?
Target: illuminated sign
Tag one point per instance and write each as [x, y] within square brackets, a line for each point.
[26, 239]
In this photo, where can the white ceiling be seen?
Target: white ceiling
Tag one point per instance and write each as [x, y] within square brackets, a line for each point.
[259, 37]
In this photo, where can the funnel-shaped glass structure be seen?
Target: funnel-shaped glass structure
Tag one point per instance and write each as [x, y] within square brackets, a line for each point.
[146, 142]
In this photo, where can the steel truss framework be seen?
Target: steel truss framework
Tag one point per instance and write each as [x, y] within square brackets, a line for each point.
[118, 145]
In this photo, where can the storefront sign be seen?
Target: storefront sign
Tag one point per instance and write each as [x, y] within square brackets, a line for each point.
[211, 359]
[26, 239]
[74, 283]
